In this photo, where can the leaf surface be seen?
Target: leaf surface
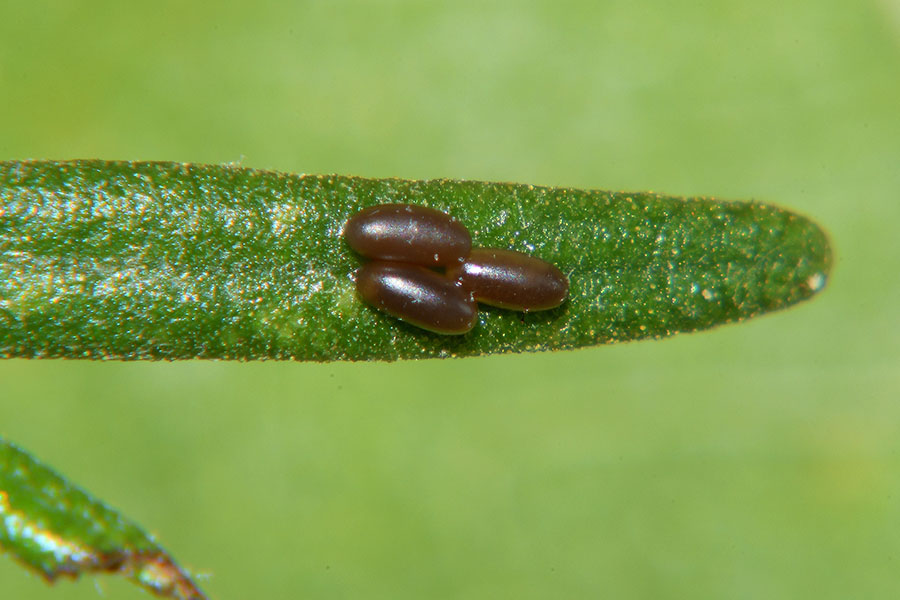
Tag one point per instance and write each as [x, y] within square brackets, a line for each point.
[143, 260]
[59, 530]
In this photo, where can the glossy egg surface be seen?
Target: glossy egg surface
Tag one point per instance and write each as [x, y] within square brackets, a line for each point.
[408, 233]
[417, 295]
[511, 280]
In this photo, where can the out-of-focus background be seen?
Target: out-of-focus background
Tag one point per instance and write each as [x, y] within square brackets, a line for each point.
[759, 460]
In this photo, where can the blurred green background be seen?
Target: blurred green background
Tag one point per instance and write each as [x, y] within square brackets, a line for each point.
[755, 460]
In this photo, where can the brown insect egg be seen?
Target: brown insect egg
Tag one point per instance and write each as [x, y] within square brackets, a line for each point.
[510, 279]
[417, 295]
[408, 233]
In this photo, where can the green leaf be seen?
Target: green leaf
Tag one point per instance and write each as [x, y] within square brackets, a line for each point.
[58, 529]
[138, 260]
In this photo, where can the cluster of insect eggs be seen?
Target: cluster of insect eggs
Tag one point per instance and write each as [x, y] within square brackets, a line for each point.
[406, 243]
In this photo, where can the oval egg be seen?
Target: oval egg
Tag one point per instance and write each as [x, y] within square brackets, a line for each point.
[511, 280]
[408, 233]
[417, 295]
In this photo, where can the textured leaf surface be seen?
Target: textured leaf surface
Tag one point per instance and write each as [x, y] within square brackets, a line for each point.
[166, 260]
[58, 529]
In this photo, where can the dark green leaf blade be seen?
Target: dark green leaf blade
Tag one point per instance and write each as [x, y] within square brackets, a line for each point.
[137, 260]
[58, 529]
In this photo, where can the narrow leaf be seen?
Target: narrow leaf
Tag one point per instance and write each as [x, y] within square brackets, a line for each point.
[138, 260]
[58, 529]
